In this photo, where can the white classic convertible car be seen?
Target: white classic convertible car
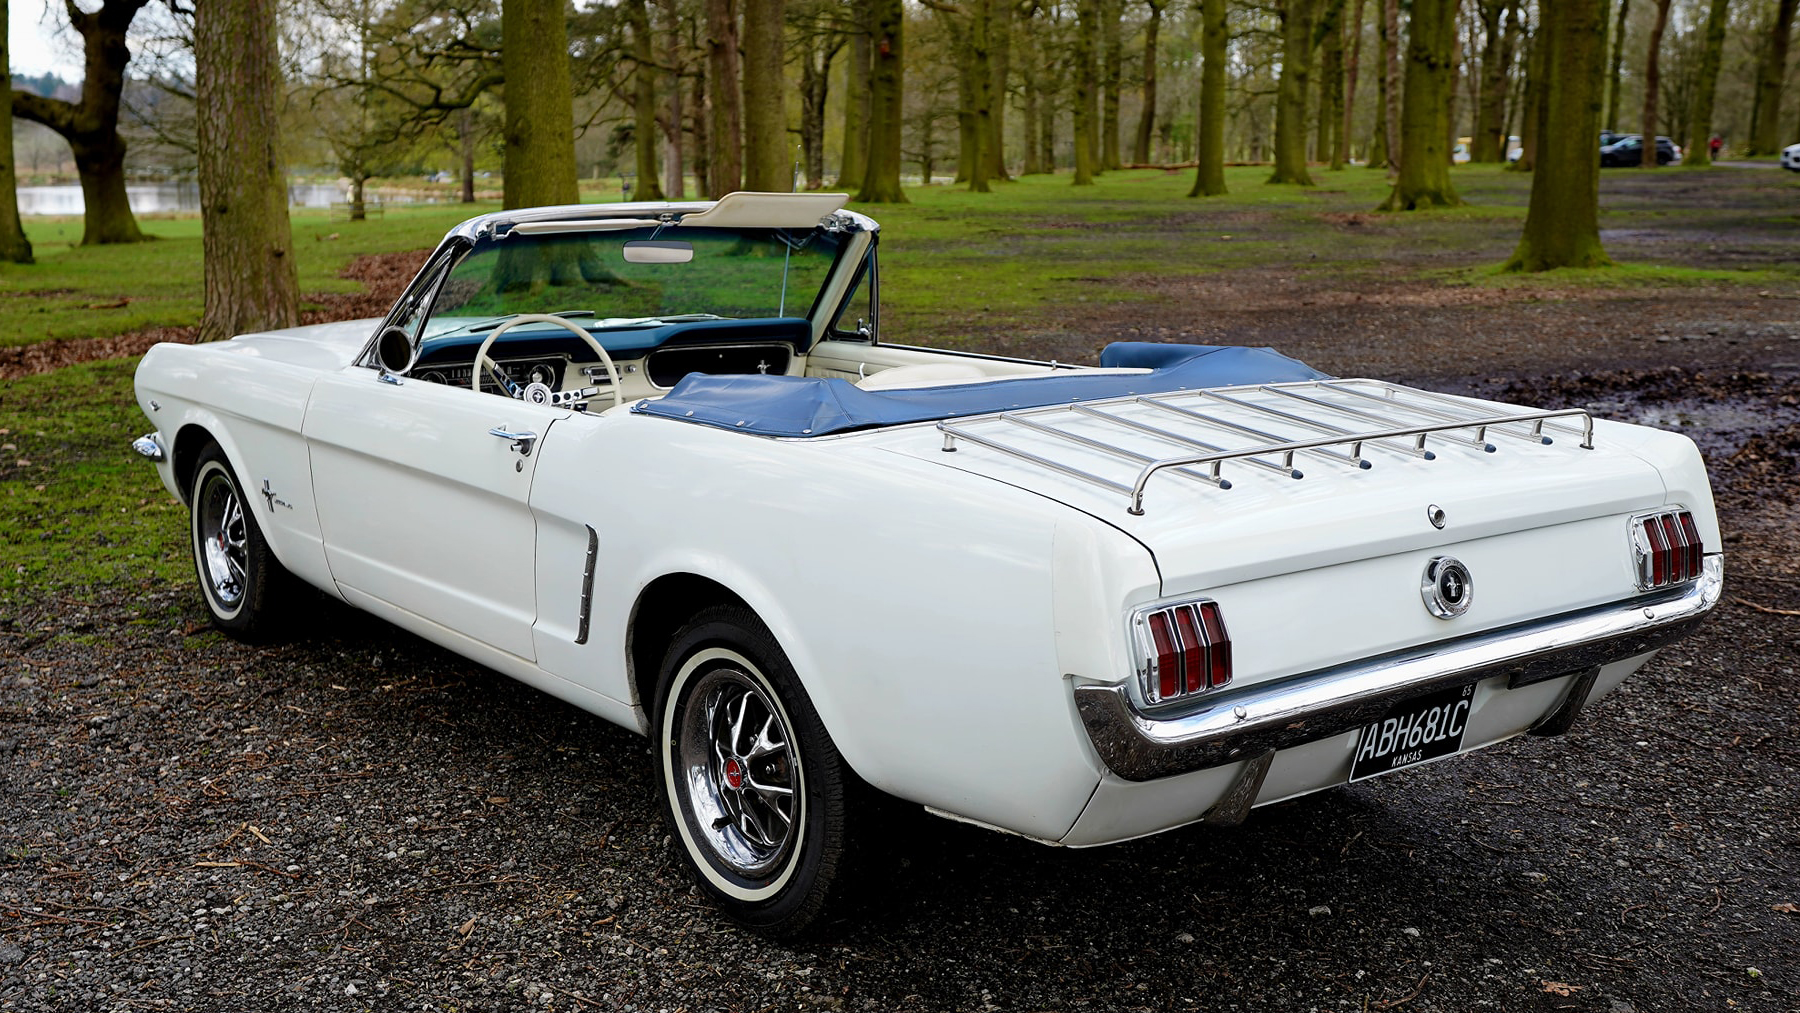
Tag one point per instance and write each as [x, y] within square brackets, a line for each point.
[654, 459]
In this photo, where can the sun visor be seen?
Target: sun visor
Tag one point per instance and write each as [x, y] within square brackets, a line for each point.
[768, 210]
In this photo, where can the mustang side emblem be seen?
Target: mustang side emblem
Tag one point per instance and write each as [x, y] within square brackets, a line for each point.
[1447, 587]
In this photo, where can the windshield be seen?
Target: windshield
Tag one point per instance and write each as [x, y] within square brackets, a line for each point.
[636, 277]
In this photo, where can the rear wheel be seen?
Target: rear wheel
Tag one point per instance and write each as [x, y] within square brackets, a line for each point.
[240, 578]
[751, 781]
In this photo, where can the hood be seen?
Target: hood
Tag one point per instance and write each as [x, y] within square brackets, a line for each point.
[317, 346]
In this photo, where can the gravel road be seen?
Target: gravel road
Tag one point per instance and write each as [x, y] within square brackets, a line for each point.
[357, 820]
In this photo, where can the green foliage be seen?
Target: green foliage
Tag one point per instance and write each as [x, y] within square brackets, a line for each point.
[103, 291]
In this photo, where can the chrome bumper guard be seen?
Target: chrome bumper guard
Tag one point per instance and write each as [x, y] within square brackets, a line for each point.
[1257, 720]
[150, 445]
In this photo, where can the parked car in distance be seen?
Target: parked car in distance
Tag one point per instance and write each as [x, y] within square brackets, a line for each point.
[1790, 157]
[660, 461]
[1627, 152]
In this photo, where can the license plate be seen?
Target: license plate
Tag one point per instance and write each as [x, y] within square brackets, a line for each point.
[1414, 731]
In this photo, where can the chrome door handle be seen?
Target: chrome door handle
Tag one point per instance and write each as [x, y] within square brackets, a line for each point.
[521, 441]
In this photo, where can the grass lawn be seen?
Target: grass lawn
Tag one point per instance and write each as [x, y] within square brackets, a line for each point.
[77, 509]
[77, 292]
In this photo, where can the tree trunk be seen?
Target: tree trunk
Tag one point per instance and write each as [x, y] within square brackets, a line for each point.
[1209, 173]
[1035, 161]
[1355, 30]
[1653, 83]
[1562, 224]
[1537, 73]
[978, 78]
[14, 247]
[1618, 63]
[702, 140]
[1499, 24]
[247, 246]
[1087, 81]
[1424, 179]
[768, 162]
[1699, 146]
[856, 102]
[881, 181]
[1331, 84]
[993, 146]
[1484, 143]
[1111, 73]
[1146, 127]
[676, 187]
[1771, 74]
[726, 165]
[465, 139]
[539, 159]
[1390, 96]
[1380, 144]
[359, 208]
[960, 24]
[820, 48]
[92, 126]
[644, 73]
[1290, 96]
[1453, 89]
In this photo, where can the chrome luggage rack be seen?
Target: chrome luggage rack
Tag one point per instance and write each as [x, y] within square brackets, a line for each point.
[1403, 418]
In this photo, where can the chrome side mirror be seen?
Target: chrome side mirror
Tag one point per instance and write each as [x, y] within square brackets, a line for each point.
[394, 351]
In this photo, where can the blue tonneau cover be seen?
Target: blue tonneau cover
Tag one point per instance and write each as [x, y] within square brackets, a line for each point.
[815, 406]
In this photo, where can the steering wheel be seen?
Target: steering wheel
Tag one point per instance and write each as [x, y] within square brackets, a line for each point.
[561, 397]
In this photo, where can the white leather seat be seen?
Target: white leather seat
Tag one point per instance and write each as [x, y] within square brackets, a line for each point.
[923, 374]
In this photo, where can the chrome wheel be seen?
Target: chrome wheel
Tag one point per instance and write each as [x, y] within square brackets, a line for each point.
[752, 783]
[736, 764]
[222, 541]
[243, 583]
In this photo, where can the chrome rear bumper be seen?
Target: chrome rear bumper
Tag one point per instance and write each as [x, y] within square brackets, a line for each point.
[1261, 719]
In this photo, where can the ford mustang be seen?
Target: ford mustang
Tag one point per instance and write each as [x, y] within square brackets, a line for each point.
[658, 461]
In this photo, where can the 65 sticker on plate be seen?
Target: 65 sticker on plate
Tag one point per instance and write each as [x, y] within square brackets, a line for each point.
[1413, 731]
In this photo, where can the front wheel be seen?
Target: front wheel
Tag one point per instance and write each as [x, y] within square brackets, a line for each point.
[751, 781]
[240, 577]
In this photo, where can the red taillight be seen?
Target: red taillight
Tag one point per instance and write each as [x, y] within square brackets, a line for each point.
[1187, 651]
[1167, 664]
[1668, 548]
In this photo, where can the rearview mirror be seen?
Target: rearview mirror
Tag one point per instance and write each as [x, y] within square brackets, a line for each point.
[659, 251]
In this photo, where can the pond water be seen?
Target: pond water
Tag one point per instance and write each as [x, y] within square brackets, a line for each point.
[151, 197]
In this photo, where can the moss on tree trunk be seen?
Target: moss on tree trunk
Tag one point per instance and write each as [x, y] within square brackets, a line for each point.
[1087, 83]
[1209, 174]
[725, 164]
[539, 158]
[644, 73]
[768, 165]
[1699, 147]
[856, 102]
[14, 247]
[1771, 77]
[1562, 224]
[881, 180]
[248, 248]
[1424, 179]
[1290, 93]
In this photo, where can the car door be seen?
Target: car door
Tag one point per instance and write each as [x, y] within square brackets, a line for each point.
[423, 504]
